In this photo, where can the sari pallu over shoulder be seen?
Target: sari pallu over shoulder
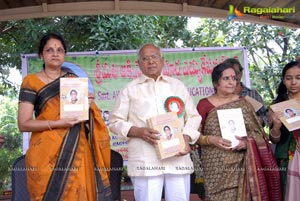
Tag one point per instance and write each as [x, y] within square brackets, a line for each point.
[260, 157]
[263, 173]
[65, 151]
[60, 173]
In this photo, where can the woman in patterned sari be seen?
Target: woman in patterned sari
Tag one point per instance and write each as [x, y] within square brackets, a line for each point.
[67, 159]
[232, 173]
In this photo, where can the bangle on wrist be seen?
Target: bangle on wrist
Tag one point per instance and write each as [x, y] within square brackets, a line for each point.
[207, 141]
[204, 140]
[201, 140]
[48, 123]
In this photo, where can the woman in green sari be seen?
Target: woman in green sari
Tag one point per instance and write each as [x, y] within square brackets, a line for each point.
[287, 150]
[233, 173]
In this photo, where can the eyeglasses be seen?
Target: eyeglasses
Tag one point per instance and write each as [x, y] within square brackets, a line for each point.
[52, 51]
[154, 57]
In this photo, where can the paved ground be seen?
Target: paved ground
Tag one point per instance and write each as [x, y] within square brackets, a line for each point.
[128, 196]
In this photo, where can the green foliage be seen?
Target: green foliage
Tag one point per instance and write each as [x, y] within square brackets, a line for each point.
[269, 48]
[210, 33]
[128, 32]
[82, 33]
[6, 90]
[86, 33]
[12, 147]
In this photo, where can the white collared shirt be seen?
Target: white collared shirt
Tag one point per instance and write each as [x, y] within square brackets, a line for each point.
[140, 100]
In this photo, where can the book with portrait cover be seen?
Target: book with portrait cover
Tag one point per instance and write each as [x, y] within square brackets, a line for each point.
[74, 98]
[232, 124]
[256, 105]
[171, 139]
[290, 110]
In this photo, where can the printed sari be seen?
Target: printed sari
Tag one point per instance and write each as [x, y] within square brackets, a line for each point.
[236, 175]
[65, 163]
[285, 152]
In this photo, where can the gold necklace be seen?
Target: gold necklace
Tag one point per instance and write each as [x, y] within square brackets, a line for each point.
[48, 77]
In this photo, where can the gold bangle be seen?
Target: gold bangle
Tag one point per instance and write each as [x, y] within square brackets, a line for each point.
[204, 140]
[48, 123]
[207, 142]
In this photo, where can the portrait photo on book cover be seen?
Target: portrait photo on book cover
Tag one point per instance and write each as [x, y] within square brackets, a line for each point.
[167, 132]
[231, 126]
[290, 112]
[105, 116]
[73, 96]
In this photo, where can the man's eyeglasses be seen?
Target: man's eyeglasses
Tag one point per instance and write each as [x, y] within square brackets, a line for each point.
[154, 57]
[52, 51]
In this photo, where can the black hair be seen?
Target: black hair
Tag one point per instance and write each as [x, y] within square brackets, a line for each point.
[167, 127]
[233, 61]
[45, 39]
[73, 90]
[218, 72]
[282, 90]
[289, 109]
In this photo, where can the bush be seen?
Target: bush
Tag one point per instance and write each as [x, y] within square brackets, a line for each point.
[12, 147]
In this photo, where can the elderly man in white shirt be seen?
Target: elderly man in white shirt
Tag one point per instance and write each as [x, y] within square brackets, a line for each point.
[145, 97]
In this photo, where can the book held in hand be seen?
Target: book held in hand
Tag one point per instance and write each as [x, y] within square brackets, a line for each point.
[256, 105]
[290, 110]
[74, 98]
[171, 139]
[232, 124]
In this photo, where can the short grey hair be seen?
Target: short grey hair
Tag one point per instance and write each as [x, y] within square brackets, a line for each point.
[139, 50]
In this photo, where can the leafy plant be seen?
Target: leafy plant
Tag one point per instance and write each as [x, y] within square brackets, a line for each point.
[269, 48]
[12, 147]
[125, 177]
[86, 33]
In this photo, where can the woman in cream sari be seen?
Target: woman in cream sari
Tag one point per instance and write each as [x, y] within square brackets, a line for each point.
[233, 173]
[67, 159]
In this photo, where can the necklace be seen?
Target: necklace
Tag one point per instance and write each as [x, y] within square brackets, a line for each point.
[49, 77]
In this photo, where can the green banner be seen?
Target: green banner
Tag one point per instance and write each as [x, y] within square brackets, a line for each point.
[109, 71]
